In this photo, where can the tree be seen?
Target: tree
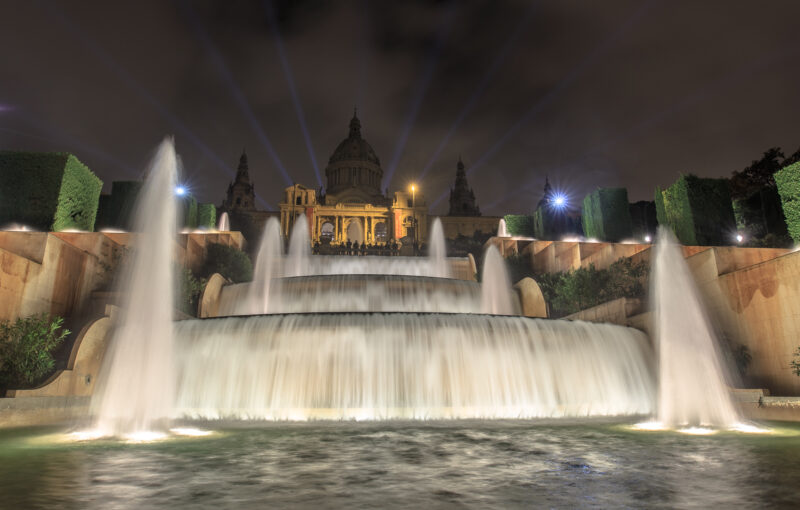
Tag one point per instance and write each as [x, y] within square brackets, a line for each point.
[759, 174]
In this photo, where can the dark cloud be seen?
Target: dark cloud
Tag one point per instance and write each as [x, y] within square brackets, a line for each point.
[618, 98]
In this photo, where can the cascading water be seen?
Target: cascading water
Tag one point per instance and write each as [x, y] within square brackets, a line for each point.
[438, 251]
[299, 249]
[692, 388]
[496, 295]
[406, 365]
[268, 266]
[135, 388]
[223, 225]
[501, 229]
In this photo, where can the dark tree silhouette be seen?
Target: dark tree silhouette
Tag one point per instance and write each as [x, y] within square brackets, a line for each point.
[758, 175]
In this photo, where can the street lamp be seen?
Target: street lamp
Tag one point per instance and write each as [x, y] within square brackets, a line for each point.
[414, 213]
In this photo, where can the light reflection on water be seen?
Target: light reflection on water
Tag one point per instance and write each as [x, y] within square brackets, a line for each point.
[497, 464]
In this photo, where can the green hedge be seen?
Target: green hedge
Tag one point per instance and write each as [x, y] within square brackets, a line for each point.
[788, 181]
[760, 213]
[207, 216]
[189, 211]
[519, 224]
[606, 215]
[643, 218]
[698, 210]
[47, 191]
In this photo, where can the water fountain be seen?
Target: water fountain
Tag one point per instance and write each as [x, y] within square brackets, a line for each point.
[692, 389]
[299, 249]
[496, 296]
[269, 262]
[501, 229]
[437, 250]
[135, 388]
[223, 225]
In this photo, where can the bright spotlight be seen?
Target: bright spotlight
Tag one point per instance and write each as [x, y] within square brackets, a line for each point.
[739, 238]
[647, 239]
[180, 190]
[559, 201]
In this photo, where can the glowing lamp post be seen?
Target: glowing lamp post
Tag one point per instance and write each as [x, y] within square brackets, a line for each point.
[414, 213]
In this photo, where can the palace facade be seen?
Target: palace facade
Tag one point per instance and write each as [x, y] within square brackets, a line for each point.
[353, 208]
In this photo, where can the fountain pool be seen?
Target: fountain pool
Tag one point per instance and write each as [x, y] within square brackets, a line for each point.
[401, 464]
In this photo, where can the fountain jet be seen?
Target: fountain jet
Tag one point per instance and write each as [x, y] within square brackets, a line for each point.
[496, 296]
[692, 388]
[135, 391]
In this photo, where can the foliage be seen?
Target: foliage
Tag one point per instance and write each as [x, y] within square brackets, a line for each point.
[788, 183]
[519, 225]
[760, 214]
[643, 218]
[228, 261]
[26, 347]
[47, 191]
[573, 291]
[758, 175]
[207, 216]
[78, 197]
[606, 214]
[117, 209]
[698, 210]
[189, 211]
[190, 288]
[795, 363]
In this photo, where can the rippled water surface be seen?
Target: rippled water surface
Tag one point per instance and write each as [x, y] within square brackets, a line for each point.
[497, 464]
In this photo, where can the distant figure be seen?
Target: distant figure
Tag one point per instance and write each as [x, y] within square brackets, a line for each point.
[355, 248]
[348, 247]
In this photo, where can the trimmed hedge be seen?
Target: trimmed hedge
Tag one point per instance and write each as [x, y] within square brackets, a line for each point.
[189, 211]
[643, 218]
[48, 191]
[121, 203]
[552, 225]
[606, 214]
[207, 216]
[788, 181]
[698, 210]
[519, 224]
[760, 213]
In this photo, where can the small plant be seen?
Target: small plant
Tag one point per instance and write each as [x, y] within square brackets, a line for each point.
[228, 261]
[795, 363]
[190, 288]
[26, 349]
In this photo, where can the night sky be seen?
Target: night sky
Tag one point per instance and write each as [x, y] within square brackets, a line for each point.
[590, 93]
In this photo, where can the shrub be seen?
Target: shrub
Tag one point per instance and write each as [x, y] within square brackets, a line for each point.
[519, 225]
[228, 261]
[795, 363]
[48, 191]
[207, 216]
[643, 218]
[190, 288]
[606, 214]
[189, 205]
[121, 204]
[26, 348]
[584, 288]
[788, 182]
[698, 210]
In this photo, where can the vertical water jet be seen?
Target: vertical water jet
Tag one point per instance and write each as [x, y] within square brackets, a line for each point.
[135, 391]
[299, 249]
[692, 388]
[437, 251]
[268, 267]
[496, 296]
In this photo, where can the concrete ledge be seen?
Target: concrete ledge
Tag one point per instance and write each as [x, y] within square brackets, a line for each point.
[33, 411]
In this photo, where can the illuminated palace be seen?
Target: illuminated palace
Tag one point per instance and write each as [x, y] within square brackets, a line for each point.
[353, 207]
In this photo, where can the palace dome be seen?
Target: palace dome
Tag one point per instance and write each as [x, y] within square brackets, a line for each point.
[354, 148]
[354, 172]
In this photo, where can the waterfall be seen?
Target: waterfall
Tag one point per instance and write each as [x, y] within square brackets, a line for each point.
[135, 388]
[496, 296]
[692, 388]
[409, 366]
